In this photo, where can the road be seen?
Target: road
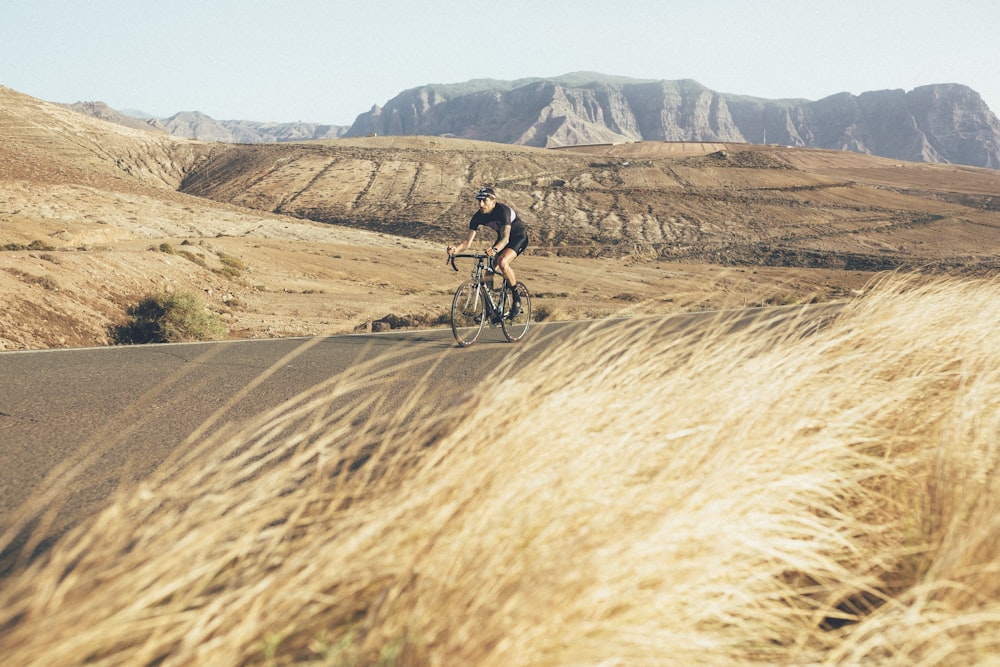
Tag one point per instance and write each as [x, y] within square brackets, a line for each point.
[78, 423]
[137, 403]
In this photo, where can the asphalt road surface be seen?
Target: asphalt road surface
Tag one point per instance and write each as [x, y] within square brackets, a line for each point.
[78, 423]
[137, 403]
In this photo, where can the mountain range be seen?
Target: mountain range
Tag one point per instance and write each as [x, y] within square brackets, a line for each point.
[934, 123]
[947, 123]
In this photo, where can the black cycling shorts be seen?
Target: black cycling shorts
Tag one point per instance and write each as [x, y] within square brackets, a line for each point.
[518, 243]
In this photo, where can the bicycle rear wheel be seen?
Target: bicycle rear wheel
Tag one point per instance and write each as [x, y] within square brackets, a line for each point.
[515, 327]
[468, 313]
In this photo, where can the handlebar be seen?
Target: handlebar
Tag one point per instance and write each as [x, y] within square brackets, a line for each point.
[473, 255]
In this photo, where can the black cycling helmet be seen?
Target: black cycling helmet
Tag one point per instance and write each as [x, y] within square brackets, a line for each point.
[485, 193]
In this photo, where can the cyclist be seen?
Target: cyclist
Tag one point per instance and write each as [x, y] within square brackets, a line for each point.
[512, 238]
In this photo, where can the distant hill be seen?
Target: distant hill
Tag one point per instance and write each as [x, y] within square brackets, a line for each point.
[105, 112]
[196, 125]
[936, 123]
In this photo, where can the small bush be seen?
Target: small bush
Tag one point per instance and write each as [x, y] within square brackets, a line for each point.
[231, 261]
[232, 267]
[169, 318]
[34, 245]
[551, 313]
[47, 282]
[193, 257]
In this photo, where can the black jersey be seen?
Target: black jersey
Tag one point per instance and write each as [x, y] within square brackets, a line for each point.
[500, 215]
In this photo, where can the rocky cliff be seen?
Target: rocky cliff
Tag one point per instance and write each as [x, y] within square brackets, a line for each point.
[933, 123]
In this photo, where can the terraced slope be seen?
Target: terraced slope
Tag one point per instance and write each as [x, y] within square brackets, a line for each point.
[719, 203]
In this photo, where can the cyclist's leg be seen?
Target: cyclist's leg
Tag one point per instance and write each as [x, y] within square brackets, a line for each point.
[506, 256]
[509, 254]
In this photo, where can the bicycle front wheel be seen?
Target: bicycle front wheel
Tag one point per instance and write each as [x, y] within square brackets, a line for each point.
[468, 313]
[515, 327]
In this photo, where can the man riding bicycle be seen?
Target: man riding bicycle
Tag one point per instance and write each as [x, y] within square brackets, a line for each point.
[512, 238]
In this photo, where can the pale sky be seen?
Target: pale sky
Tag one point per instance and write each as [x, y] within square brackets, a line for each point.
[327, 61]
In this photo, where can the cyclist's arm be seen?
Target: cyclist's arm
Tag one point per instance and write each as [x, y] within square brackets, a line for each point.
[503, 238]
[464, 244]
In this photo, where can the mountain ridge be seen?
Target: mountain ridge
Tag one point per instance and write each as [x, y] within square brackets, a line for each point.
[555, 112]
[944, 123]
[199, 126]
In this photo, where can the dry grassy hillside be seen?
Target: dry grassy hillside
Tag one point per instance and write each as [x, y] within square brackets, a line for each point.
[93, 217]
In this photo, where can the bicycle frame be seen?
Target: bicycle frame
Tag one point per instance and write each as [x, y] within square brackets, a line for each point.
[479, 275]
[474, 304]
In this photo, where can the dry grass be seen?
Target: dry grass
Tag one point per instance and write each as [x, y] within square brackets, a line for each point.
[773, 495]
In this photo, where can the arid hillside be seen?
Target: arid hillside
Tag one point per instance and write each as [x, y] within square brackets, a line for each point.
[723, 203]
[333, 236]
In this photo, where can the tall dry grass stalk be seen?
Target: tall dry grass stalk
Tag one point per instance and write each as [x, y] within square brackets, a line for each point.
[757, 494]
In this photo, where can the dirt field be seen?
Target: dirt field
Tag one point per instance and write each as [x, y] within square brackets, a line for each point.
[331, 237]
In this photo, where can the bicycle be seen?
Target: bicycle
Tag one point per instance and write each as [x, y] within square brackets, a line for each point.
[474, 304]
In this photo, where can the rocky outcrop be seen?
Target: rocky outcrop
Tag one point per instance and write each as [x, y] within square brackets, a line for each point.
[934, 123]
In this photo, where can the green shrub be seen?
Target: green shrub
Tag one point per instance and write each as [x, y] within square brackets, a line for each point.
[169, 318]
